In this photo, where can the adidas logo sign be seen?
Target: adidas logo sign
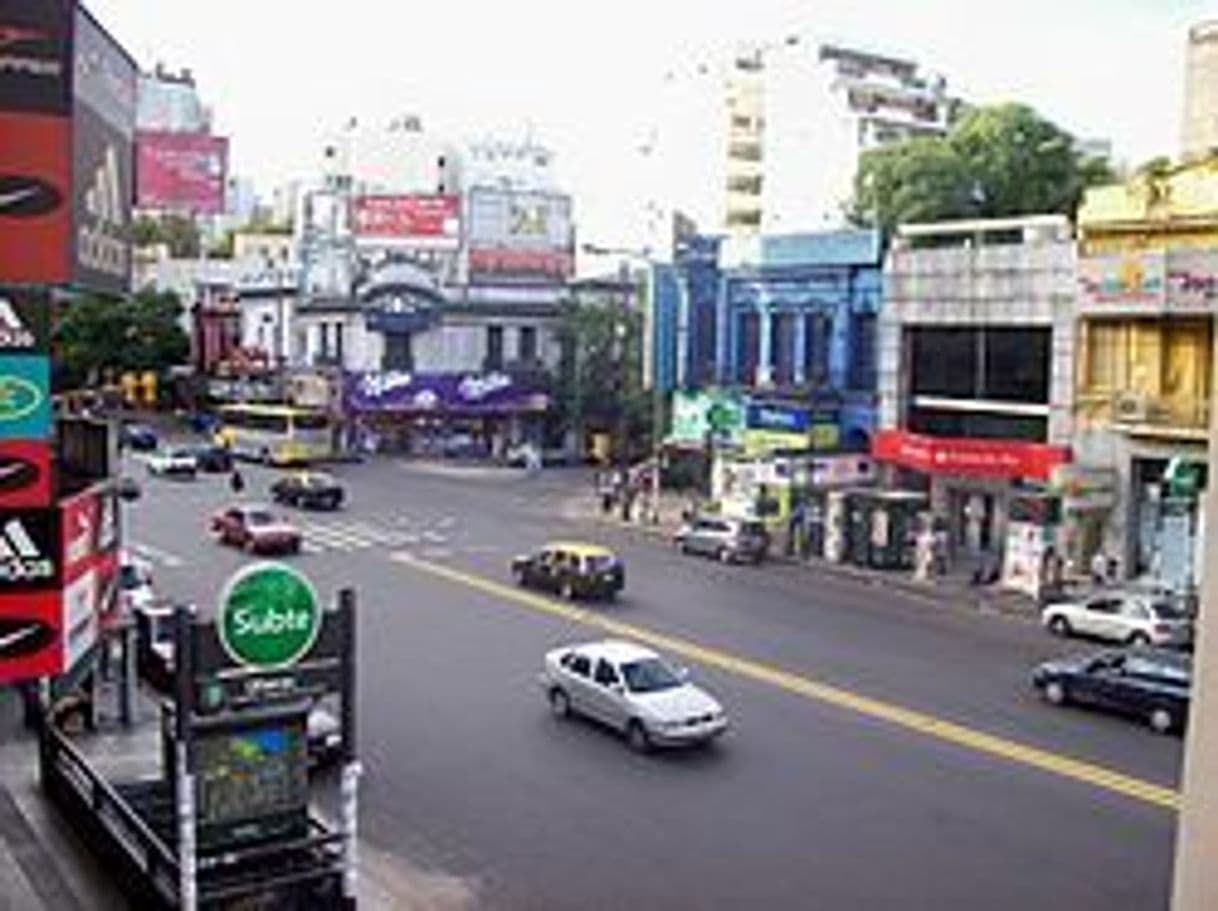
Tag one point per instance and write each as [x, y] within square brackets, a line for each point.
[20, 558]
[100, 243]
[13, 333]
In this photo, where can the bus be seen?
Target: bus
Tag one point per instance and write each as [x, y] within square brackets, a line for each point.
[275, 434]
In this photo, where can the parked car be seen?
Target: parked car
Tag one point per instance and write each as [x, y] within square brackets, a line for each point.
[725, 539]
[176, 462]
[633, 690]
[1127, 616]
[212, 458]
[309, 489]
[139, 437]
[1148, 684]
[255, 528]
[571, 569]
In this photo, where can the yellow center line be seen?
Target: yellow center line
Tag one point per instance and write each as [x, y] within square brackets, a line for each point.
[910, 719]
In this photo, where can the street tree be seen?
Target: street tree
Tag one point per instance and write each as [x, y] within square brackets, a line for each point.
[995, 161]
[97, 334]
[178, 232]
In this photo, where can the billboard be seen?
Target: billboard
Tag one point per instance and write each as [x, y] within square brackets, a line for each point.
[413, 220]
[30, 640]
[25, 397]
[35, 184]
[181, 172]
[103, 133]
[25, 473]
[519, 236]
[24, 321]
[35, 71]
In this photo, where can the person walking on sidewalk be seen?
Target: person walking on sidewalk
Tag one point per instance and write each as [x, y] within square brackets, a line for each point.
[236, 482]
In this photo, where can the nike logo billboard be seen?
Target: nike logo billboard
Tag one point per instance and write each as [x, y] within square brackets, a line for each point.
[27, 197]
[16, 473]
[21, 637]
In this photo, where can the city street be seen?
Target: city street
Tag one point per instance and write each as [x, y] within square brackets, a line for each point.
[885, 751]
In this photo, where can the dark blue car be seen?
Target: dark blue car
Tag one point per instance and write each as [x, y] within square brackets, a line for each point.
[140, 437]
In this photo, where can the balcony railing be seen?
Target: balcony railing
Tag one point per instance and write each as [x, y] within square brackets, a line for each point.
[1142, 413]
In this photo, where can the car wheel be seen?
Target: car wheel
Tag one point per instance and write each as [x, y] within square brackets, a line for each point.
[1055, 692]
[560, 703]
[636, 736]
[1161, 720]
[1059, 626]
[568, 591]
[1139, 638]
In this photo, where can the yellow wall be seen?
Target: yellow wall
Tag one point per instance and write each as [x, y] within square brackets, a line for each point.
[1178, 208]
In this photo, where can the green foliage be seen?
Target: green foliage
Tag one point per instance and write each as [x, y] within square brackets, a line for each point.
[602, 370]
[178, 232]
[95, 333]
[1002, 160]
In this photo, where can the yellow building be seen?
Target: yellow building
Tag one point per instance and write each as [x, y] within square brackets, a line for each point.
[1146, 297]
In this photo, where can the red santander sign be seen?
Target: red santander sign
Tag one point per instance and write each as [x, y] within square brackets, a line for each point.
[1006, 459]
[409, 219]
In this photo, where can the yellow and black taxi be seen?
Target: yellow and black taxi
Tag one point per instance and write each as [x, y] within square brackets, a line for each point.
[572, 569]
[309, 490]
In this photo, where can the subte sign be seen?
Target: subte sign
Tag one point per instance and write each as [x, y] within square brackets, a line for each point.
[269, 616]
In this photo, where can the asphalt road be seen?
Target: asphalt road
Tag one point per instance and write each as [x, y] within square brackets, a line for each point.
[807, 803]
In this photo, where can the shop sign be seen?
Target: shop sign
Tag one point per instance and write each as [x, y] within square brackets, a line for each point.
[1006, 459]
[30, 641]
[1118, 283]
[269, 616]
[25, 473]
[825, 436]
[25, 396]
[29, 550]
[841, 471]
[695, 415]
[24, 321]
[1084, 488]
[788, 419]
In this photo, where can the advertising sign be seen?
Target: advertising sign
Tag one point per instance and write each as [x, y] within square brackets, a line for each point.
[25, 474]
[29, 550]
[1119, 283]
[30, 641]
[34, 187]
[415, 220]
[1009, 459]
[35, 73]
[181, 172]
[269, 616]
[697, 414]
[103, 130]
[471, 393]
[518, 236]
[24, 321]
[25, 397]
[81, 617]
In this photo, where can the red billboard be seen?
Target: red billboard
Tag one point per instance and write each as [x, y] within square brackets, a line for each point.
[35, 187]
[1007, 459]
[31, 644]
[414, 220]
[181, 172]
[25, 474]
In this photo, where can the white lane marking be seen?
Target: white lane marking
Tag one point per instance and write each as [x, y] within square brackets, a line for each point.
[155, 553]
[446, 522]
[373, 534]
[434, 537]
[325, 538]
[436, 553]
[309, 547]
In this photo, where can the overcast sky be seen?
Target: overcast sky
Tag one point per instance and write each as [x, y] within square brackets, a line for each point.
[279, 74]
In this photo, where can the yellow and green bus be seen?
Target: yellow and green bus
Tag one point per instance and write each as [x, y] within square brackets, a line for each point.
[276, 434]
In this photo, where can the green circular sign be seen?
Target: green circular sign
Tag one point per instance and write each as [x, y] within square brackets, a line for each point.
[269, 615]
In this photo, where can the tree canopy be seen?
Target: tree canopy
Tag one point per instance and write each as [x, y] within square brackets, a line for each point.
[995, 161]
[96, 333]
[178, 232]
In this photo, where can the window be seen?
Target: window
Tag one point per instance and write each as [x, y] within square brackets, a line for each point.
[605, 674]
[580, 664]
[1104, 605]
[1016, 364]
[323, 342]
[649, 675]
[338, 341]
[817, 337]
[742, 183]
[399, 352]
[1133, 611]
[1105, 356]
[862, 351]
[309, 421]
[528, 343]
[494, 348]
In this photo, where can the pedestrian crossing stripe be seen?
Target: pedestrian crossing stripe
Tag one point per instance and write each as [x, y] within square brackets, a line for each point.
[347, 536]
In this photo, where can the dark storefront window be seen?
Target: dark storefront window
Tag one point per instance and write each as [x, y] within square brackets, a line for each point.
[746, 348]
[338, 342]
[945, 362]
[399, 354]
[528, 343]
[702, 366]
[946, 423]
[1004, 363]
[494, 348]
[817, 331]
[782, 347]
[1017, 365]
[862, 352]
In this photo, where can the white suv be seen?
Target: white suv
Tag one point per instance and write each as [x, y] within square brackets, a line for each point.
[1132, 617]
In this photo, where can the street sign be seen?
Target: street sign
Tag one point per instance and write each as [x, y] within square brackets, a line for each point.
[269, 616]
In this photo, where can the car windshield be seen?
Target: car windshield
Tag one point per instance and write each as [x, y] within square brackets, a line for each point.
[259, 517]
[1165, 610]
[649, 675]
[318, 480]
[601, 562]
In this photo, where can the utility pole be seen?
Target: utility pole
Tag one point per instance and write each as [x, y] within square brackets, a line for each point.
[1195, 887]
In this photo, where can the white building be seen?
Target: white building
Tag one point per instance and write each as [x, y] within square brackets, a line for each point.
[1199, 136]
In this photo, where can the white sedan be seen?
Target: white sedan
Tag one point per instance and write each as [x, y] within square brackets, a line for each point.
[631, 689]
[175, 463]
[1131, 617]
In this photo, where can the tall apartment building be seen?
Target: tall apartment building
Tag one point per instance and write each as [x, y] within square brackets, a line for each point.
[798, 118]
[1200, 128]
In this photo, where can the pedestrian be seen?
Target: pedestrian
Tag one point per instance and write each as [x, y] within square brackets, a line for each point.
[1099, 568]
[236, 482]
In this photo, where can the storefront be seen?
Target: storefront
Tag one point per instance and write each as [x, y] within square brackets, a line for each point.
[1088, 497]
[451, 414]
[1168, 531]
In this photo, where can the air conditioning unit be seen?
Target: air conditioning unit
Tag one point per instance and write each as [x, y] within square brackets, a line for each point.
[1132, 407]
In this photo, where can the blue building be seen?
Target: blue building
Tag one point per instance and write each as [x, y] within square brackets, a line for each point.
[787, 318]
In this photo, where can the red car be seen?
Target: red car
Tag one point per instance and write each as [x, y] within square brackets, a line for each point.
[256, 529]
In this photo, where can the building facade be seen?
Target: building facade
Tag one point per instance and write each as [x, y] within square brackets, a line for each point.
[1147, 293]
[790, 319]
[1199, 134]
[976, 350]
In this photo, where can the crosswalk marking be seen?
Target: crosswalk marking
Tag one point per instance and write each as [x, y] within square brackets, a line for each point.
[148, 552]
[357, 535]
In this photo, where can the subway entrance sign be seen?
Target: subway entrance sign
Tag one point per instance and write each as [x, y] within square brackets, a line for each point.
[269, 616]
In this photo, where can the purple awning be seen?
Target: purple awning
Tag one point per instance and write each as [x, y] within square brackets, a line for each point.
[442, 393]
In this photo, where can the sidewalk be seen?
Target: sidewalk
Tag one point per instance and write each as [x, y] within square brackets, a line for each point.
[45, 867]
[955, 588]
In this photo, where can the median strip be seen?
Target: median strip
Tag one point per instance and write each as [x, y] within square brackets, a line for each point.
[910, 719]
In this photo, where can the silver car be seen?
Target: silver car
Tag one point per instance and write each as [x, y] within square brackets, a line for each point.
[632, 689]
[1130, 617]
[726, 539]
